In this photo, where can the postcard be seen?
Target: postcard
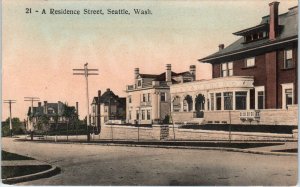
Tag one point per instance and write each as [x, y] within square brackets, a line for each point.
[159, 93]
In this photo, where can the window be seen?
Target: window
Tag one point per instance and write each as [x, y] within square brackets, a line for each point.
[289, 97]
[227, 69]
[163, 96]
[227, 100]
[212, 101]
[240, 100]
[261, 100]
[129, 99]
[149, 97]
[288, 61]
[250, 62]
[148, 114]
[144, 97]
[139, 83]
[143, 114]
[218, 101]
[137, 115]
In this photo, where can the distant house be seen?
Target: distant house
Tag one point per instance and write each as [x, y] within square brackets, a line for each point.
[54, 111]
[148, 98]
[107, 107]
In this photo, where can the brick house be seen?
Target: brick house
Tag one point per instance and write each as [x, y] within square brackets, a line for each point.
[148, 99]
[255, 77]
[107, 107]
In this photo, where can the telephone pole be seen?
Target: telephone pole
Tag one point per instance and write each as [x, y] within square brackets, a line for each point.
[31, 99]
[86, 72]
[10, 101]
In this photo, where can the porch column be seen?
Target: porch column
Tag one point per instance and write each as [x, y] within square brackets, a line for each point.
[233, 100]
[248, 100]
[181, 106]
[205, 101]
[194, 103]
[158, 105]
[222, 101]
[172, 109]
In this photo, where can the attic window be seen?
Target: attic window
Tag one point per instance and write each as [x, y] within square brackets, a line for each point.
[255, 36]
[139, 83]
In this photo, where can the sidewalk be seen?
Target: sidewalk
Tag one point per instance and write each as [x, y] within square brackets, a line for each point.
[289, 148]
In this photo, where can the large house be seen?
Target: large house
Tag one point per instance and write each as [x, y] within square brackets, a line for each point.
[148, 98]
[107, 107]
[53, 111]
[255, 77]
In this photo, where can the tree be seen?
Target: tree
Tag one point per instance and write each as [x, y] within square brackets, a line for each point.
[69, 113]
[18, 127]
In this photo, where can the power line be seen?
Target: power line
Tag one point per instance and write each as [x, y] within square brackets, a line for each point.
[10, 101]
[86, 72]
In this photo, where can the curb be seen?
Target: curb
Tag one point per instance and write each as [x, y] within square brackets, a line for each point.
[179, 147]
[43, 174]
[208, 148]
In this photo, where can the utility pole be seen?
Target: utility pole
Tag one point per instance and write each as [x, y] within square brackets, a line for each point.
[31, 99]
[86, 72]
[9, 101]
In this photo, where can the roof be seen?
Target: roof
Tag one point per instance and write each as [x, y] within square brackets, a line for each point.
[106, 96]
[162, 76]
[289, 31]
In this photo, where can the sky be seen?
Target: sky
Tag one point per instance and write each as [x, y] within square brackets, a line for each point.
[39, 51]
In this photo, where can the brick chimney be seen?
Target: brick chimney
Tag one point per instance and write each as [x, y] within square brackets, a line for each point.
[221, 47]
[273, 28]
[77, 108]
[45, 107]
[136, 72]
[168, 73]
[193, 71]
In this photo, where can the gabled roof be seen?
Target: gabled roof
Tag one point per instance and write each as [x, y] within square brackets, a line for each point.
[289, 31]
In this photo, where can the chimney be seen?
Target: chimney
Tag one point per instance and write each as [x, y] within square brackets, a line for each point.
[45, 107]
[99, 94]
[168, 73]
[39, 104]
[221, 47]
[273, 22]
[136, 72]
[77, 108]
[108, 90]
[193, 71]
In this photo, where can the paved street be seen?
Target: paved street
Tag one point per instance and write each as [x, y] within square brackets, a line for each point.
[121, 165]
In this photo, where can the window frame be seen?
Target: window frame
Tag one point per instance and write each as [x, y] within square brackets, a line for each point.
[251, 65]
[285, 64]
[228, 70]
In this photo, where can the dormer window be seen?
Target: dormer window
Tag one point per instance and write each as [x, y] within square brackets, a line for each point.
[139, 83]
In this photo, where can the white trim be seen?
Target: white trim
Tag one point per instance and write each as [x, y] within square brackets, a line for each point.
[259, 89]
[285, 87]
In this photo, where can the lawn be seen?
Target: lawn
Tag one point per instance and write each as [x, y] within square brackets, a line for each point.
[12, 156]
[16, 171]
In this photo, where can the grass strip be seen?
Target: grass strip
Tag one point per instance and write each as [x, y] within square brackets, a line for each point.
[12, 156]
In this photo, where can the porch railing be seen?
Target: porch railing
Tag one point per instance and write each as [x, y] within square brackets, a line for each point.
[250, 115]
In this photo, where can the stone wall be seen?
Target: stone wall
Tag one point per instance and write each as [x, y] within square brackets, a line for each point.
[267, 117]
[190, 134]
[169, 132]
[181, 117]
